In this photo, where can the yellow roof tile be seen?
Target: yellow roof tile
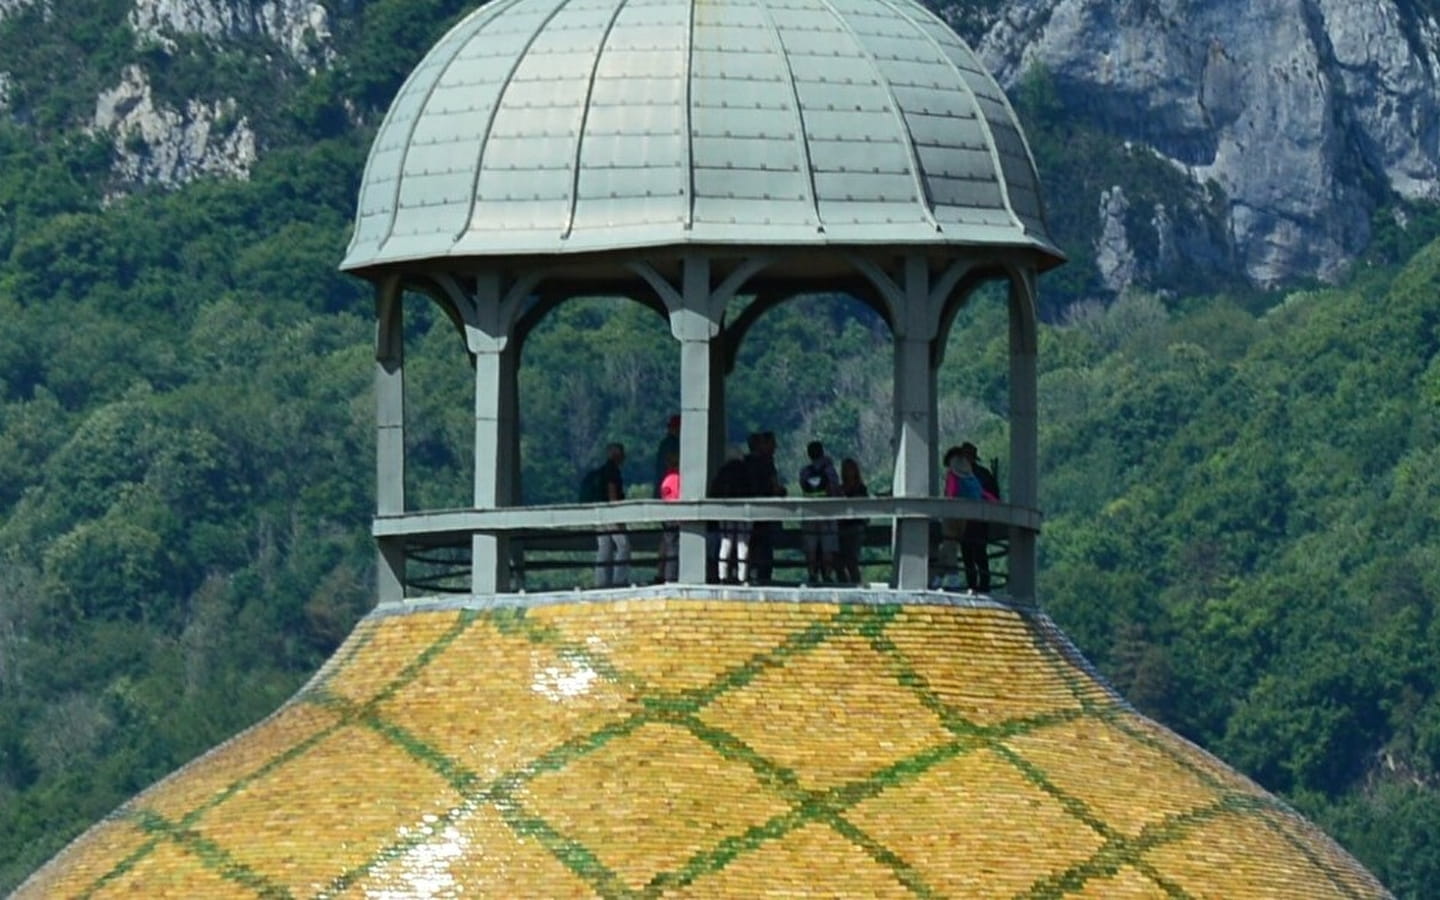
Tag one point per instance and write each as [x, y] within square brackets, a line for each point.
[336, 807]
[813, 861]
[209, 778]
[375, 656]
[1126, 884]
[986, 665]
[1237, 855]
[716, 637]
[976, 825]
[833, 713]
[631, 802]
[713, 748]
[94, 857]
[1079, 757]
[496, 699]
[170, 873]
[457, 858]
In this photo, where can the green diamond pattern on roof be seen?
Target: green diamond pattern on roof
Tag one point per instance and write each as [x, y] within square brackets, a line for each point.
[634, 785]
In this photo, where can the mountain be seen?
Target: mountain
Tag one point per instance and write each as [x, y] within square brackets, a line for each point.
[1298, 121]
[1260, 142]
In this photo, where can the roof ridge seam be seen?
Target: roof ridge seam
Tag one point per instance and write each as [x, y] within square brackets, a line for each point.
[484, 141]
[801, 140]
[922, 193]
[688, 113]
[981, 119]
[585, 117]
[477, 25]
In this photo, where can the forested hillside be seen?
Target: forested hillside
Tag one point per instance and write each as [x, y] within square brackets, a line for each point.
[1240, 488]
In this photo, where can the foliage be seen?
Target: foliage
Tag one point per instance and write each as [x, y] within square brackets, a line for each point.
[1245, 543]
[391, 38]
[184, 440]
[57, 72]
[1399, 231]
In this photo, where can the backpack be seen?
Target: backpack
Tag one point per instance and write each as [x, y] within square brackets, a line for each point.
[731, 481]
[814, 481]
[592, 486]
[989, 485]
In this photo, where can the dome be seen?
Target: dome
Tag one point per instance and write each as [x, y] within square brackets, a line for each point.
[557, 126]
[706, 745]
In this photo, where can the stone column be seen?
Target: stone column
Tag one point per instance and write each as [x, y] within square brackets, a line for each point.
[1024, 431]
[914, 418]
[701, 366]
[718, 425]
[390, 435]
[496, 430]
[914, 406]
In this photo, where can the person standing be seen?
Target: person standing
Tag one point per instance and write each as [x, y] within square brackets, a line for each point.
[819, 538]
[978, 532]
[669, 567]
[961, 484]
[988, 483]
[764, 481]
[851, 531]
[669, 444]
[612, 552]
[733, 551]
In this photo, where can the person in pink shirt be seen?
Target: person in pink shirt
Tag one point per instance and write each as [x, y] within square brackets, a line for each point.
[670, 535]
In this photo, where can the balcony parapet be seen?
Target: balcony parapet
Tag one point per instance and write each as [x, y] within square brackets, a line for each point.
[458, 522]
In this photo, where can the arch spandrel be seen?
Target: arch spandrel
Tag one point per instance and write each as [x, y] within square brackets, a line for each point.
[957, 298]
[1024, 308]
[764, 300]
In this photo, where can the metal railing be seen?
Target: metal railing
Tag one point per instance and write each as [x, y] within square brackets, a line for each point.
[553, 547]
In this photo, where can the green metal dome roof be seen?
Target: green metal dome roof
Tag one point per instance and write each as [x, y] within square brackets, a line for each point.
[555, 126]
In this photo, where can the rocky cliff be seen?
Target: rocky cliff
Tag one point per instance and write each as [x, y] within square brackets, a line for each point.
[162, 138]
[1307, 115]
[301, 27]
[1290, 124]
[171, 145]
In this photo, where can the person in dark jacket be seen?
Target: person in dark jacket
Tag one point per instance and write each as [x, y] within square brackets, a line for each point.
[612, 553]
[667, 450]
[733, 552]
[975, 542]
[669, 445]
[820, 539]
[764, 481]
[988, 482]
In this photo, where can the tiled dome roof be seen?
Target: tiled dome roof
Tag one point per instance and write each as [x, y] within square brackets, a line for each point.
[551, 126]
[706, 747]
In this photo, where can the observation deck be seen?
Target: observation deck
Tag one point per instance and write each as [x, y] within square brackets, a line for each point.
[549, 546]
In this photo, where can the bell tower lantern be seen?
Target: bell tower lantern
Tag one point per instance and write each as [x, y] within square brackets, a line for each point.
[684, 154]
